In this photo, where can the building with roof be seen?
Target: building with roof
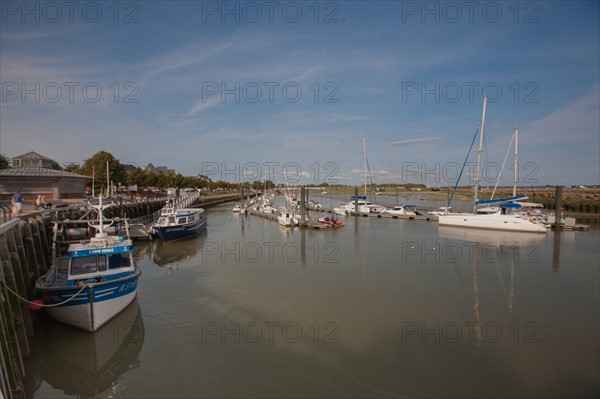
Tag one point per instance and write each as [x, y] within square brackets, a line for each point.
[32, 160]
[50, 183]
[158, 169]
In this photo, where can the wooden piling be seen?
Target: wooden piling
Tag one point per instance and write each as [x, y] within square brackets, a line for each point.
[302, 205]
[558, 208]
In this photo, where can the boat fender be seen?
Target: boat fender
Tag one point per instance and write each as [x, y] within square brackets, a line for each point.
[36, 304]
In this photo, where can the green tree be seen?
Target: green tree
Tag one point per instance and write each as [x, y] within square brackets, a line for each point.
[96, 166]
[55, 166]
[4, 161]
[74, 168]
[136, 177]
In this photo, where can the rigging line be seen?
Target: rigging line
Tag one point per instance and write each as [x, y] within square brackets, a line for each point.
[503, 164]
[463, 167]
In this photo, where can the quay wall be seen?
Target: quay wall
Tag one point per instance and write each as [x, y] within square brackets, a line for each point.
[25, 255]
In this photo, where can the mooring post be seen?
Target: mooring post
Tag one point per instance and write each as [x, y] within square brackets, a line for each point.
[121, 207]
[302, 205]
[242, 197]
[306, 201]
[558, 208]
[356, 201]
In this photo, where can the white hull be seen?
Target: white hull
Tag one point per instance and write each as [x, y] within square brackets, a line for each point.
[371, 208]
[91, 316]
[287, 220]
[400, 212]
[491, 222]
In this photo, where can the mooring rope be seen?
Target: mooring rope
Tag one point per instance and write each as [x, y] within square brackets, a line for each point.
[41, 304]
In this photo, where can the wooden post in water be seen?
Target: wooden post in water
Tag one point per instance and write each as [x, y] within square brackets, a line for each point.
[242, 198]
[356, 201]
[302, 205]
[558, 208]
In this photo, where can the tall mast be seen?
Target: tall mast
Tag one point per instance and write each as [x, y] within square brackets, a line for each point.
[479, 154]
[516, 162]
[107, 180]
[365, 163]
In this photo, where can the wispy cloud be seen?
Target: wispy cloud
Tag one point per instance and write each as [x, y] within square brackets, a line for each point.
[417, 140]
[203, 105]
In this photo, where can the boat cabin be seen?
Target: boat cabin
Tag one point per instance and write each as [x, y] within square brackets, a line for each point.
[174, 218]
[99, 261]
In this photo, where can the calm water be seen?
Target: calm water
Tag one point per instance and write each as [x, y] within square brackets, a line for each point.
[379, 308]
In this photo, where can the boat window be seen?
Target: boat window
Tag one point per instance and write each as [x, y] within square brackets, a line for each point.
[181, 220]
[62, 267]
[118, 260]
[83, 265]
[102, 263]
[162, 221]
[171, 219]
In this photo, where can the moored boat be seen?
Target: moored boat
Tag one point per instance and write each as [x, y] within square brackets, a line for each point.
[175, 224]
[402, 210]
[96, 279]
[496, 217]
[330, 220]
[287, 219]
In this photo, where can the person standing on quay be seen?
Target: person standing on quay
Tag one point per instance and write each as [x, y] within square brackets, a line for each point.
[17, 202]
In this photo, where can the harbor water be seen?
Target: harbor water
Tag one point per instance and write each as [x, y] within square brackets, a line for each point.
[377, 308]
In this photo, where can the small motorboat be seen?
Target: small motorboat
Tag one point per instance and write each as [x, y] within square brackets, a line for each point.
[330, 220]
[400, 210]
[175, 224]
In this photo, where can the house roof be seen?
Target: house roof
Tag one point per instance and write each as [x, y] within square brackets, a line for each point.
[40, 172]
[32, 155]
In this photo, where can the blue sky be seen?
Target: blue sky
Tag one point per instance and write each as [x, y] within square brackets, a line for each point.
[214, 87]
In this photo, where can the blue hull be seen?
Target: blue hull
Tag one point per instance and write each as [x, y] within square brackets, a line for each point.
[93, 306]
[171, 233]
[96, 293]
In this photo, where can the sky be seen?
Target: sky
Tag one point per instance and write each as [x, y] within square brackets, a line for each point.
[242, 91]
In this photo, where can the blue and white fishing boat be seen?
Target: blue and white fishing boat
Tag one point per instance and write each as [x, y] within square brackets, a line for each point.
[175, 224]
[95, 280]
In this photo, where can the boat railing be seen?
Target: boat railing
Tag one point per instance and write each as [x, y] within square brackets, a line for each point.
[182, 202]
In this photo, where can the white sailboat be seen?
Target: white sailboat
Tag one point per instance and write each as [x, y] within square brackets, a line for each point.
[491, 218]
[363, 205]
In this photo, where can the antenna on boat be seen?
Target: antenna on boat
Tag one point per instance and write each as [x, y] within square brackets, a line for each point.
[101, 234]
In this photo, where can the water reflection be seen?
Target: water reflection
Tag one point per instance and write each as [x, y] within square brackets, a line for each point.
[556, 251]
[88, 364]
[499, 250]
[172, 253]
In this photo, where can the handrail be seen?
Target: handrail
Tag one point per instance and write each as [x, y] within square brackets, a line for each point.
[6, 210]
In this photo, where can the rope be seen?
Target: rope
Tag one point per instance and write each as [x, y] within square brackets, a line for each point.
[463, 167]
[41, 304]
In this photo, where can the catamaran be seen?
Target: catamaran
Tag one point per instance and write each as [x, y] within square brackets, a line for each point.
[492, 218]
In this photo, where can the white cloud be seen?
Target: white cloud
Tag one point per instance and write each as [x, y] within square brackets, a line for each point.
[417, 140]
